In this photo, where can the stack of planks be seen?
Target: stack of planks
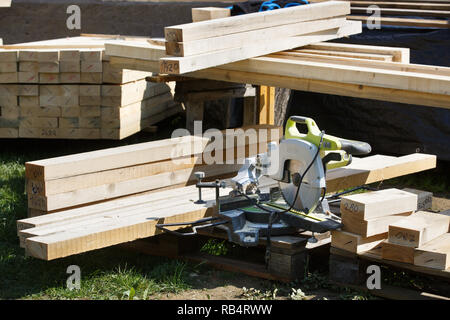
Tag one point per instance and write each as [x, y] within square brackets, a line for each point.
[406, 13]
[63, 182]
[387, 224]
[363, 71]
[67, 89]
[209, 43]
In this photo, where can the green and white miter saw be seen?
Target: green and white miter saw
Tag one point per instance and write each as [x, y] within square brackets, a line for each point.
[298, 163]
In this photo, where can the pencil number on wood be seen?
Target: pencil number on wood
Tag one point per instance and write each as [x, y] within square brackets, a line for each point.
[405, 236]
[351, 207]
[48, 133]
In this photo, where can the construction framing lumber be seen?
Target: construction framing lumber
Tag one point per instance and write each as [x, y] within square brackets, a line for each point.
[390, 21]
[405, 12]
[243, 39]
[376, 204]
[419, 228]
[209, 13]
[253, 21]
[434, 254]
[320, 31]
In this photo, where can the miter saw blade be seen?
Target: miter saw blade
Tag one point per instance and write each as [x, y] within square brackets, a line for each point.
[308, 196]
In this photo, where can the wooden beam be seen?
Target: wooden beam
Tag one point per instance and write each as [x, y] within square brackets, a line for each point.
[404, 12]
[434, 254]
[266, 105]
[209, 13]
[377, 168]
[399, 54]
[5, 3]
[319, 31]
[369, 227]
[381, 203]
[424, 5]
[355, 243]
[253, 21]
[243, 39]
[349, 74]
[409, 22]
[418, 229]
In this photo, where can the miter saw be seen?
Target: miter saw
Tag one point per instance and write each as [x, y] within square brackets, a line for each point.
[298, 163]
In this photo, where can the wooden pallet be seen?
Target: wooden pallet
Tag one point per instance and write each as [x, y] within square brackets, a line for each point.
[290, 255]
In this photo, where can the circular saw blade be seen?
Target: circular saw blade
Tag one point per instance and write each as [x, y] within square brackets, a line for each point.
[308, 196]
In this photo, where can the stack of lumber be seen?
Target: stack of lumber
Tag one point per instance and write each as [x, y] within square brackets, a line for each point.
[209, 43]
[67, 89]
[387, 224]
[80, 179]
[406, 13]
[122, 212]
[363, 71]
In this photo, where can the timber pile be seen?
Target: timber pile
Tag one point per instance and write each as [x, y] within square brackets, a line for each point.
[364, 71]
[386, 224]
[67, 89]
[406, 13]
[80, 179]
[135, 187]
[205, 44]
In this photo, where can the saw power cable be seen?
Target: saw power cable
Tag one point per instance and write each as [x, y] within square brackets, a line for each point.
[274, 214]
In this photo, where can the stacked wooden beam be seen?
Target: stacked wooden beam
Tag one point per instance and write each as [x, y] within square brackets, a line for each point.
[53, 89]
[417, 13]
[386, 223]
[200, 45]
[63, 182]
[349, 70]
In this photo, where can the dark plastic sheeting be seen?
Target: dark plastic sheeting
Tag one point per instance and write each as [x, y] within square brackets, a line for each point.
[391, 128]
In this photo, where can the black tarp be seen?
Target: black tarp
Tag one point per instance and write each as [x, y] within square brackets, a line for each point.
[391, 128]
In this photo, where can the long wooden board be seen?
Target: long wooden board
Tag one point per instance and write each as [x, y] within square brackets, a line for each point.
[419, 228]
[379, 203]
[319, 31]
[253, 21]
[236, 40]
[434, 254]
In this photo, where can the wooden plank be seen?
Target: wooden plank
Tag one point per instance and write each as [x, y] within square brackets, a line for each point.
[414, 68]
[355, 55]
[392, 79]
[113, 158]
[181, 65]
[9, 133]
[434, 254]
[253, 21]
[367, 228]
[379, 203]
[424, 5]
[209, 13]
[303, 84]
[266, 105]
[377, 168]
[404, 12]
[242, 39]
[117, 230]
[5, 3]
[396, 252]
[418, 229]
[355, 243]
[388, 21]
